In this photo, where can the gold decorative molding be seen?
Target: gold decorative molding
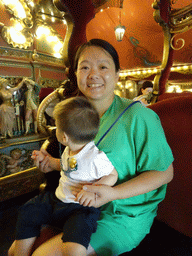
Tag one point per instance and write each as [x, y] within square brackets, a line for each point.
[181, 19]
[144, 73]
[47, 58]
[23, 19]
[139, 74]
[185, 69]
[177, 42]
[180, 22]
[28, 27]
[182, 84]
[49, 83]
[7, 37]
[20, 53]
[11, 52]
[166, 45]
[42, 82]
[12, 80]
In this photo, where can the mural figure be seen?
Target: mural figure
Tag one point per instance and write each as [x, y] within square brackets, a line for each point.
[32, 103]
[15, 160]
[7, 112]
[19, 159]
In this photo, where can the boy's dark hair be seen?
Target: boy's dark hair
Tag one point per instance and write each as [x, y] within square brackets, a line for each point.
[78, 119]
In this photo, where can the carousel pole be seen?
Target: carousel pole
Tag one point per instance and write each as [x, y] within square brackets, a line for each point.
[161, 16]
[77, 18]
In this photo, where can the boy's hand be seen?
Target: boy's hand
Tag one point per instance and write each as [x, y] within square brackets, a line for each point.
[38, 156]
[86, 198]
[103, 193]
[42, 160]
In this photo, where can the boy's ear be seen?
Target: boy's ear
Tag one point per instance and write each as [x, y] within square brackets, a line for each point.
[65, 137]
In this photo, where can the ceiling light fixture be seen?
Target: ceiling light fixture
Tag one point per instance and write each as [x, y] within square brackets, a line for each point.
[120, 30]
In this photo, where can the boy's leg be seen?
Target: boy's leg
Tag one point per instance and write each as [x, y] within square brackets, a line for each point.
[81, 225]
[21, 247]
[55, 247]
[75, 239]
[32, 216]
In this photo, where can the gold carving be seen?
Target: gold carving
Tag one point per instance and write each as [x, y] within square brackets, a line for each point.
[181, 19]
[177, 42]
[28, 27]
[180, 22]
[19, 34]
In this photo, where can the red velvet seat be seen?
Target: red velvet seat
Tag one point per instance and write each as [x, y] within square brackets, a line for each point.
[176, 118]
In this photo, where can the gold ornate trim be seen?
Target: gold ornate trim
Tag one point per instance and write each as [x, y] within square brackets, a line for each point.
[20, 53]
[139, 74]
[180, 22]
[49, 83]
[181, 19]
[176, 43]
[26, 23]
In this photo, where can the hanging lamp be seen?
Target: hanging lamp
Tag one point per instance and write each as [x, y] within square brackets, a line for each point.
[120, 30]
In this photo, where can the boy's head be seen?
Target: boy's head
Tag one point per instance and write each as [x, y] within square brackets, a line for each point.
[77, 118]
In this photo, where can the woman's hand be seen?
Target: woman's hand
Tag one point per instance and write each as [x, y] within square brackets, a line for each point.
[103, 193]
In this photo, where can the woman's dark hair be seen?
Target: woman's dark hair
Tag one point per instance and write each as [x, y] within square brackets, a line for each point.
[78, 118]
[99, 43]
[145, 85]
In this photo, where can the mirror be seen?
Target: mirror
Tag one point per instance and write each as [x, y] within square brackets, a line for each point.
[19, 101]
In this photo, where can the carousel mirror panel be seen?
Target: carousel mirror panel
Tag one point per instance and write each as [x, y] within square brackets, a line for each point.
[19, 101]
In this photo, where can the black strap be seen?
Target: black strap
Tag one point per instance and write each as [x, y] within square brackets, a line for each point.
[130, 105]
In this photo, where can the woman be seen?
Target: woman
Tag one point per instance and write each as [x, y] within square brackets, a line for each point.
[7, 112]
[137, 148]
[145, 93]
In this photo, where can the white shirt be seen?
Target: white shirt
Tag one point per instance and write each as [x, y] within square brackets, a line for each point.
[92, 164]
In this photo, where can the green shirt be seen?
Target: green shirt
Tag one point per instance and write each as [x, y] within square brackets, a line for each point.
[135, 144]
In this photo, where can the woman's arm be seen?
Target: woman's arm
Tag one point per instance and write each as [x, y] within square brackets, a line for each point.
[143, 183]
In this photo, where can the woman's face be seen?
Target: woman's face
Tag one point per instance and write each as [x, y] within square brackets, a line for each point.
[96, 74]
[147, 90]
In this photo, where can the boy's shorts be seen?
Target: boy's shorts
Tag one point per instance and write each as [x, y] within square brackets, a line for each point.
[76, 221]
